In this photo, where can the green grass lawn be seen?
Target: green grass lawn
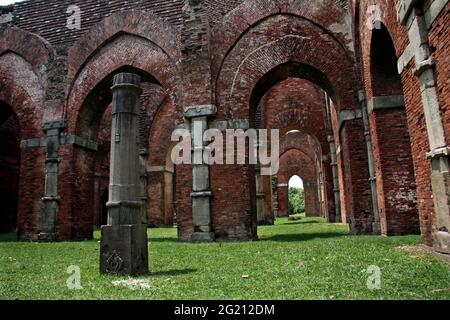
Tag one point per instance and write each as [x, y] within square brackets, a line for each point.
[306, 259]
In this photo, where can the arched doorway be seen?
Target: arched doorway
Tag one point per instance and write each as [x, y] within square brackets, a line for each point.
[296, 196]
[394, 170]
[92, 164]
[9, 167]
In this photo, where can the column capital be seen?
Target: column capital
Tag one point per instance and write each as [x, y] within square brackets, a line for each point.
[128, 80]
[404, 8]
[349, 115]
[199, 111]
[60, 124]
[438, 153]
[201, 194]
[385, 102]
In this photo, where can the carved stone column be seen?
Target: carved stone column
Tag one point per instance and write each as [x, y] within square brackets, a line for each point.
[50, 201]
[259, 197]
[336, 189]
[124, 240]
[376, 227]
[201, 189]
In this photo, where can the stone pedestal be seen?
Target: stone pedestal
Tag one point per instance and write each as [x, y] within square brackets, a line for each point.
[123, 248]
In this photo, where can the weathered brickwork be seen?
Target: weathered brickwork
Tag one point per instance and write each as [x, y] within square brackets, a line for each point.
[306, 68]
[417, 126]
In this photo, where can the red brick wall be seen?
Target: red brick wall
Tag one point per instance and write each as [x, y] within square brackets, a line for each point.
[396, 186]
[397, 196]
[23, 89]
[296, 104]
[414, 108]
[440, 47]
[51, 20]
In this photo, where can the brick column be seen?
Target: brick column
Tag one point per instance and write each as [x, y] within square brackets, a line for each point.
[410, 14]
[123, 247]
[359, 213]
[201, 188]
[311, 199]
[283, 200]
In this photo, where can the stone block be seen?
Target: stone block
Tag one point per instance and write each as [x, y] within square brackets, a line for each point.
[441, 242]
[202, 237]
[124, 250]
[201, 211]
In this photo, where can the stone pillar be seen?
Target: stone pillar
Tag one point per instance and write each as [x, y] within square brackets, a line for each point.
[376, 227]
[263, 199]
[123, 248]
[410, 14]
[334, 168]
[269, 218]
[50, 201]
[259, 197]
[322, 210]
[201, 188]
[143, 158]
[275, 206]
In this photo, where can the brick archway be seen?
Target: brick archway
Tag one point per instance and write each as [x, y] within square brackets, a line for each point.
[295, 47]
[23, 90]
[123, 46]
[294, 162]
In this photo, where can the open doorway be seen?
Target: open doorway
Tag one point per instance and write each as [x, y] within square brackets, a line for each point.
[9, 168]
[296, 197]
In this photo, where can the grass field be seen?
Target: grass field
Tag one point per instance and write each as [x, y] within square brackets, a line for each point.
[306, 259]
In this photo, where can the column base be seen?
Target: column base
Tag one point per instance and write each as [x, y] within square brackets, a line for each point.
[266, 222]
[47, 237]
[203, 237]
[441, 242]
[124, 250]
[376, 228]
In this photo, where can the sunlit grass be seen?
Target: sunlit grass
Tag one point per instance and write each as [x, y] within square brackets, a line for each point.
[306, 259]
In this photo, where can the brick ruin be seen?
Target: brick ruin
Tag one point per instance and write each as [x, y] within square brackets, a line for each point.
[358, 89]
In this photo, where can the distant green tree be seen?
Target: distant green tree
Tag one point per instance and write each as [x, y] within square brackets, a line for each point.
[296, 201]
